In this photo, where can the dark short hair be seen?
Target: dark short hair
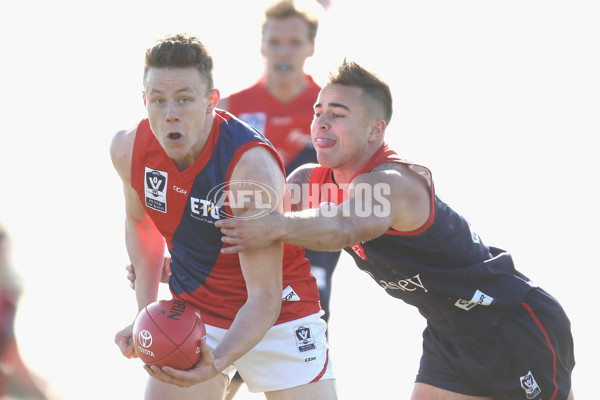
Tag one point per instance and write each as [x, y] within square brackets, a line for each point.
[180, 51]
[349, 73]
[307, 10]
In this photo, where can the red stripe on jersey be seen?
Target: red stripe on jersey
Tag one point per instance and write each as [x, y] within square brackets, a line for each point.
[545, 333]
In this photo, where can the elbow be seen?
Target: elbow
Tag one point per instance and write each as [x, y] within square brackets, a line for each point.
[274, 308]
[344, 236]
[271, 305]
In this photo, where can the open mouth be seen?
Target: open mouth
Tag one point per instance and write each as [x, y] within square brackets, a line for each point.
[174, 136]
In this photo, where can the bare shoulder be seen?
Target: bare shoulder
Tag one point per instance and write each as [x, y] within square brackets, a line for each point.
[258, 163]
[257, 182]
[405, 191]
[121, 149]
[400, 182]
[301, 174]
[405, 173]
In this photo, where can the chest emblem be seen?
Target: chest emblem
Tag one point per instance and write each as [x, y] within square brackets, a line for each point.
[155, 189]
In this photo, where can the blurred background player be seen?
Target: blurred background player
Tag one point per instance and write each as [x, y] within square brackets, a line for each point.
[16, 380]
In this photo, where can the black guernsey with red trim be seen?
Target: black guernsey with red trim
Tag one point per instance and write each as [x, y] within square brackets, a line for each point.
[458, 283]
[490, 332]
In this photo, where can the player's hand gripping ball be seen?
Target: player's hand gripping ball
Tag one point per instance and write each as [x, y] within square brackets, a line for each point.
[168, 333]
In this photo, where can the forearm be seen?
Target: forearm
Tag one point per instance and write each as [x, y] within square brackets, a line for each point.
[145, 246]
[321, 229]
[251, 323]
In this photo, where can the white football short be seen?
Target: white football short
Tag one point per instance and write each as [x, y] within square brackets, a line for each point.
[290, 354]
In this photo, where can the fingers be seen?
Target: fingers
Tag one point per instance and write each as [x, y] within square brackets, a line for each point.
[170, 375]
[235, 249]
[207, 354]
[228, 223]
[124, 341]
[130, 275]
[204, 370]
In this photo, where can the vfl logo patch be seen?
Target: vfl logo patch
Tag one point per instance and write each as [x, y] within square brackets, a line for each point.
[479, 298]
[304, 339]
[530, 386]
[155, 189]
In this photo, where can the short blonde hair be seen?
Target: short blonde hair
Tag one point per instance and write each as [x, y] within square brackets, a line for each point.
[308, 10]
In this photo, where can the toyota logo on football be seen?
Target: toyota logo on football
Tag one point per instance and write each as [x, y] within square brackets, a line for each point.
[245, 194]
[145, 338]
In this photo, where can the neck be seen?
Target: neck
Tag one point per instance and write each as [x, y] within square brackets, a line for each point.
[344, 174]
[288, 90]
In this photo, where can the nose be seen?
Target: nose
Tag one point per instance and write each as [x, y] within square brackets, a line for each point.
[172, 113]
[321, 122]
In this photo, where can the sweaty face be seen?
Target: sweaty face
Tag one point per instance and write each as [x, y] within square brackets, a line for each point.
[179, 111]
[341, 128]
[286, 46]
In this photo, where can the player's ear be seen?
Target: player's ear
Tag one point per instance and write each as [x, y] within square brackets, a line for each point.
[144, 97]
[213, 100]
[377, 130]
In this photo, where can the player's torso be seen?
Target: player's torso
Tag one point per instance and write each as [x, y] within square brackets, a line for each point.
[443, 268]
[184, 206]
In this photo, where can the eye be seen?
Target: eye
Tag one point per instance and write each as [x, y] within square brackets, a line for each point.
[317, 114]
[185, 100]
[159, 100]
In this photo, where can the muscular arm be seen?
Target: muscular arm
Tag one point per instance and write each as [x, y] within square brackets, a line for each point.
[262, 269]
[378, 200]
[145, 245]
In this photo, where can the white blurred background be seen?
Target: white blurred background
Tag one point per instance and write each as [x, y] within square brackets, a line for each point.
[500, 99]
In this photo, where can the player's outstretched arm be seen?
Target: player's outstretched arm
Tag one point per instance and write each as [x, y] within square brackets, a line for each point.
[378, 201]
